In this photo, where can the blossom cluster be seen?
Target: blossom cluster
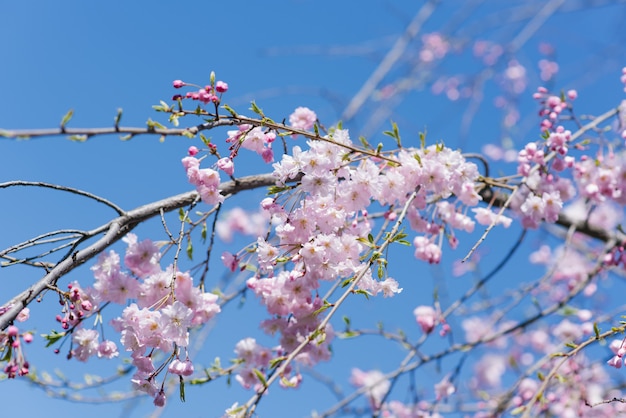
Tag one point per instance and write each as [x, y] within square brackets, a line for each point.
[160, 308]
[11, 347]
[207, 94]
[324, 237]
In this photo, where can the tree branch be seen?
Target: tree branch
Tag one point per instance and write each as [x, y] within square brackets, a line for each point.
[113, 231]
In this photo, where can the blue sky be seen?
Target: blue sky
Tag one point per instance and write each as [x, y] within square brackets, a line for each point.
[97, 57]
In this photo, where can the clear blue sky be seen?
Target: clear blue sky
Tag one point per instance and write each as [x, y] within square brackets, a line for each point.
[97, 57]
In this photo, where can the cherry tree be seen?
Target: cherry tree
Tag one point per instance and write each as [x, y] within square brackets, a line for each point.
[344, 224]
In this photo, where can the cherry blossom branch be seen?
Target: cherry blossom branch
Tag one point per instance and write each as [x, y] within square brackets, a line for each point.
[527, 408]
[253, 401]
[113, 231]
[591, 125]
[406, 365]
[82, 134]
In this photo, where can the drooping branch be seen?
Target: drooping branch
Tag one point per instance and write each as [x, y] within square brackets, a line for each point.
[113, 231]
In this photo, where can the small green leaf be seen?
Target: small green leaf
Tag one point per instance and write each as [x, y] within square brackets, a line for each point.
[66, 118]
[277, 189]
[229, 110]
[78, 138]
[362, 292]
[181, 388]
[256, 109]
[154, 124]
[188, 134]
[203, 232]
[260, 376]
[53, 337]
[287, 383]
[274, 362]
[206, 141]
[189, 250]
[323, 308]
[596, 329]
[181, 214]
[316, 130]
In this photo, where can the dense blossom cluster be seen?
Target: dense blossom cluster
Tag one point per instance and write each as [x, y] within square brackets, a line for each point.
[161, 306]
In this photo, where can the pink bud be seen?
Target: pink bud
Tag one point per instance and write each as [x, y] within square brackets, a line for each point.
[178, 84]
[193, 151]
[12, 331]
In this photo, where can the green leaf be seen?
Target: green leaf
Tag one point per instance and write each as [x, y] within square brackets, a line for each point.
[162, 107]
[274, 362]
[181, 388]
[154, 124]
[596, 329]
[423, 140]
[348, 334]
[394, 133]
[323, 308]
[362, 292]
[7, 354]
[256, 109]
[53, 337]
[229, 110]
[260, 376]
[277, 189]
[181, 214]
[78, 138]
[67, 118]
[203, 232]
[189, 250]
[206, 141]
